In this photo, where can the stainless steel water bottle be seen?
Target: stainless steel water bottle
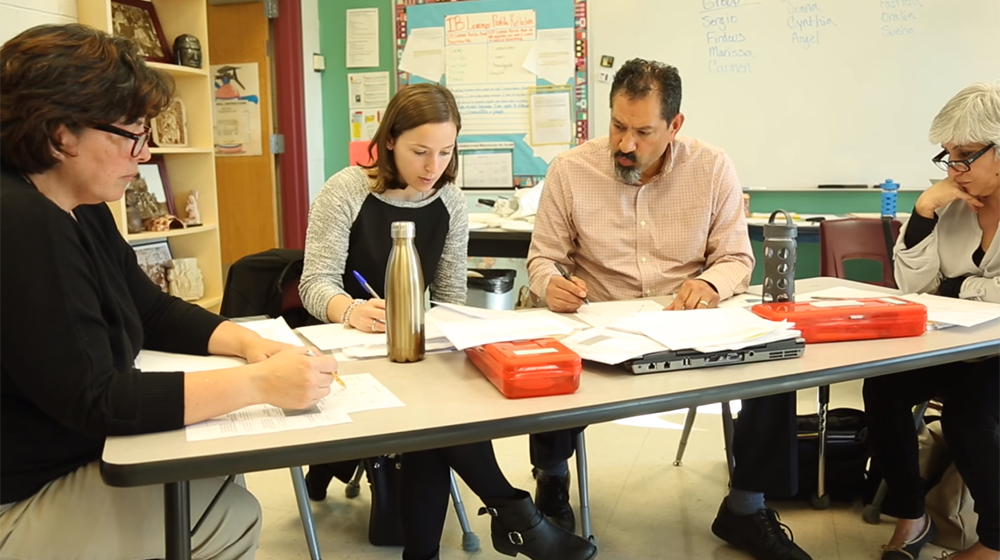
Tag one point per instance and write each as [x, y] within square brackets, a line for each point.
[404, 296]
[779, 259]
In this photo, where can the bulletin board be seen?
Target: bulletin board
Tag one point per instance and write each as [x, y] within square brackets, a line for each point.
[496, 55]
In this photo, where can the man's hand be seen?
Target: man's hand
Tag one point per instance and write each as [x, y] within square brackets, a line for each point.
[694, 294]
[563, 296]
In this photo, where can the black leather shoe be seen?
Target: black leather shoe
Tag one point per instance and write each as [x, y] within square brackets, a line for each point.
[911, 549]
[552, 498]
[760, 534]
[317, 480]
[518, 527]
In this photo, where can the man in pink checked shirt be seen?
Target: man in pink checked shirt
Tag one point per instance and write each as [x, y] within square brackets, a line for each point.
[645, 212]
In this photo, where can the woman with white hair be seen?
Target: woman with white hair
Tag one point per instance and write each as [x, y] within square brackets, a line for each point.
[949, 247]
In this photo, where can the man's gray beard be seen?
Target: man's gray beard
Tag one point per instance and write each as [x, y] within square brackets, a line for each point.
[630, 175]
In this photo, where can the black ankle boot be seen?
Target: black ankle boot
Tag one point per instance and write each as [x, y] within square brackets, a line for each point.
[317, 480]
[518, 527]
[552, 498]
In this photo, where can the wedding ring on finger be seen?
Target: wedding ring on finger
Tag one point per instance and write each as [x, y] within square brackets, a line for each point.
[374, 322]
[703, 302]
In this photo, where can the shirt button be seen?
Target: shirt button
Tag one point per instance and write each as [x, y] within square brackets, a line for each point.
[649, 292]
[643, 259]
[643, 223]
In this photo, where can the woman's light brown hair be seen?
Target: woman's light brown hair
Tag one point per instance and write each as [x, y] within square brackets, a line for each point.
[72, 75]
[412, 106]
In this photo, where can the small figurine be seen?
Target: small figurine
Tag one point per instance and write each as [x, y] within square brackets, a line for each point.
[133, 217]
[193, 213]
[185, 280]
[187, 51]
[145, 201]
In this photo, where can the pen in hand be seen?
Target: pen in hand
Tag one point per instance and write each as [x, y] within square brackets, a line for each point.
[368, 288]
[336, 377]
[564, 274]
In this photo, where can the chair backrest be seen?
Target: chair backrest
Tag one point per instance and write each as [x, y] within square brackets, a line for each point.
[257, 284]
[855, 238]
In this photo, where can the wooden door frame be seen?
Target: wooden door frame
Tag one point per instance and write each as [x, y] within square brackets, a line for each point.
[289, 104]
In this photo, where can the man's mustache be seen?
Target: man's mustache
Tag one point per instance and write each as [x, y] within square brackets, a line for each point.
[629, 156]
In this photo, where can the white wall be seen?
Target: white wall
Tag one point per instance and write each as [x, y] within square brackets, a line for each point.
[18, 15]
[314, 97]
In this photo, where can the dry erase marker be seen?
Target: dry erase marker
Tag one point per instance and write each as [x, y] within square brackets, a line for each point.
[336, 377]
[566, 275]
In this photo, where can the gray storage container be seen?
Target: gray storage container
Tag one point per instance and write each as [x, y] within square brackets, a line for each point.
[495, 290]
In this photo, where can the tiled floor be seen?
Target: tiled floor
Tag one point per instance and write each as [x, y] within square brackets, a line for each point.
[643, 508]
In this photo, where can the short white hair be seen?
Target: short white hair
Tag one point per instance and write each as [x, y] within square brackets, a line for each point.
[971, 117]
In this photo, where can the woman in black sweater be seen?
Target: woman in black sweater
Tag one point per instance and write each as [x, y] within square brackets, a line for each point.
[77, 309]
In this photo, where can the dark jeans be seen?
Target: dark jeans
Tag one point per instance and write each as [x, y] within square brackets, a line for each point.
[426, 484]
[764, 446]
[971, 423]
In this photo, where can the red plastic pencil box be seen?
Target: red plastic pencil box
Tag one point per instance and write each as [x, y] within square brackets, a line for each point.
[860, 319]
[529, 368]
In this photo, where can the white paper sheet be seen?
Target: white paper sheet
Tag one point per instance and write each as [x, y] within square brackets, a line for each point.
[552, 57]
[454, 312]
[368, 89]
[264, 418]
[423, 54]
[495, 170]
[839, 292]
[474, 332]
[605, 313]
[362, 38]
[551, 117]
[567, 319]
[610, 347]
[954, 311]
[273, 329]
[701, 328]
[363, 392]
[333, 336]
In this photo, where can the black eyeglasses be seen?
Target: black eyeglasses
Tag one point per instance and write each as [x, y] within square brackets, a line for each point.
[961, 165]
[138, 140]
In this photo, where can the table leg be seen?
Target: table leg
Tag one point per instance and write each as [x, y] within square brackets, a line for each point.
[177, 519]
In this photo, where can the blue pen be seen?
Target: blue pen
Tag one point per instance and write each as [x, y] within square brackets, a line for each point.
[364, 283]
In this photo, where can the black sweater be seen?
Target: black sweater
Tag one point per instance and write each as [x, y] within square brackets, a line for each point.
[75, 311]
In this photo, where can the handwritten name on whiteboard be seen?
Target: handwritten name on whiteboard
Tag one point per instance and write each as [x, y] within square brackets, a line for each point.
[490, 27]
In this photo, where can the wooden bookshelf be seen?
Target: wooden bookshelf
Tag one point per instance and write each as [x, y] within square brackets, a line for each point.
[191, 167]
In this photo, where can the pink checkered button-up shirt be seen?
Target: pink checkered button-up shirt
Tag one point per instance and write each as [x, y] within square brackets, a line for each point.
[630, 241]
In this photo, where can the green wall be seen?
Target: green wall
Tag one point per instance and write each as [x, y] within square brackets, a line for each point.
[332, 30]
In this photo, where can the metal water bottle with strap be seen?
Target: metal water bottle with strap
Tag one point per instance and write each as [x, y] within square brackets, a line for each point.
[779, 259]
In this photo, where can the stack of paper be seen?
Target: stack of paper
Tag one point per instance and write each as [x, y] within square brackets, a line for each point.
[466, 327]
[707, 329]
[362, 392]
[954, 311]
[273, 329]
[605, 313]
[608, 346]
[359, 344]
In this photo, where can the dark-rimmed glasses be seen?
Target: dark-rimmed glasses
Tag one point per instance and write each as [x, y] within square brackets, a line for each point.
[960, 165]
[138, 140]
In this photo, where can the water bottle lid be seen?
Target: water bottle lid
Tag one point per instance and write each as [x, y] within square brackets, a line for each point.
[787, 229]
[404, 230]
[889, 185]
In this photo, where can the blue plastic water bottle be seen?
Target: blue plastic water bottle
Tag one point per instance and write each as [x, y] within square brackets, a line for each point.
[889, 193]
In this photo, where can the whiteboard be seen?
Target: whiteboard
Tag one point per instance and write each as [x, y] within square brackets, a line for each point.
[801, 93]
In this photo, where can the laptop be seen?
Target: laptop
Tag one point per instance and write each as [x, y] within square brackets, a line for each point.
[672, 360]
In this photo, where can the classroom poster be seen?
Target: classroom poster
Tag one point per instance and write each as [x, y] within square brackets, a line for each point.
[236, 119]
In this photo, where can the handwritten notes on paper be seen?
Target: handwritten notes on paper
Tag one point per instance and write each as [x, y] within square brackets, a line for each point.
[362, 38]
[496, 109]
[551, 117]
[490, 27]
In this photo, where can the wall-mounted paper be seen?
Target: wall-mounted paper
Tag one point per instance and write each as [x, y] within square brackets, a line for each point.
[487, 109]
[368, 89]
[358, 154]
[552, 57]
[236, 110]
[424, 53]
[491, 27]
[364, 123]
[362, 38]
[488, 170]
[551, 117]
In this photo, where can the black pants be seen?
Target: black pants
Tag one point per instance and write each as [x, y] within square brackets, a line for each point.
[971, 423]
[426, 483]
[764, 446]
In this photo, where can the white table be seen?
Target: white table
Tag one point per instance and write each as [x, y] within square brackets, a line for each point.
[448, 402]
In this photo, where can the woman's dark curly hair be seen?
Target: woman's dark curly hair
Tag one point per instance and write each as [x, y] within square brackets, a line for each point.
[72, 75]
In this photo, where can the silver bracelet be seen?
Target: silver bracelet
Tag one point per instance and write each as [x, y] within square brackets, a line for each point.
[346, 317]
